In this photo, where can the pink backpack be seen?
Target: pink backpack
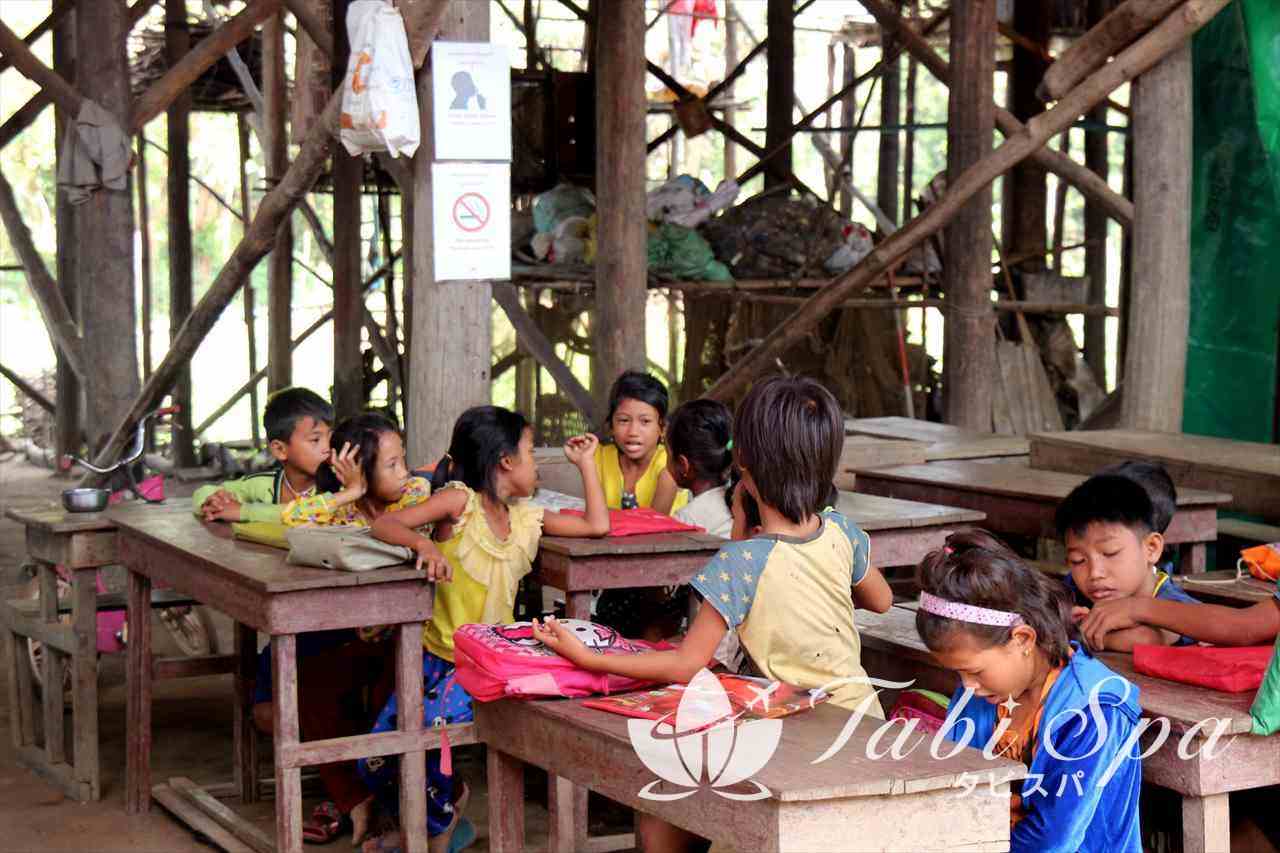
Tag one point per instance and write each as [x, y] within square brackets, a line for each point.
[501, 661]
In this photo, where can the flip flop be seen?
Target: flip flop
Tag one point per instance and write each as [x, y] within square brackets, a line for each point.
[326, 824]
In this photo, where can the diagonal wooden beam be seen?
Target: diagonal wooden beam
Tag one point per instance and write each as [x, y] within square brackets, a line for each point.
[729, 80]
[1085, 180]
[1167, 36]
[422, 19]
[160, 94]
[311, 25]
[49, 81]
[534, 342]
[1110, 35]
[25, 387]
[62, 328]
[60, 8]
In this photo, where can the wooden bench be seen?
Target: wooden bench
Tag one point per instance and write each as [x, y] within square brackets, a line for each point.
[903, 804]
[893, 649]
[1021, 501]
[942, 441]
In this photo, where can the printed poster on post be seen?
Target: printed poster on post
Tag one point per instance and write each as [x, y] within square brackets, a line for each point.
[471, 88]
[471, 220]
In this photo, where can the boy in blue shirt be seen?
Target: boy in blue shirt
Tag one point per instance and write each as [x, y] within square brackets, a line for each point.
[1114, 543]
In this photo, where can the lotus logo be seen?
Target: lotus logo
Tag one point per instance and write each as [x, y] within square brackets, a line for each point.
[702, 746]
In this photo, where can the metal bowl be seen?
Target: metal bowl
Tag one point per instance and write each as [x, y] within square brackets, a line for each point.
[85, 500]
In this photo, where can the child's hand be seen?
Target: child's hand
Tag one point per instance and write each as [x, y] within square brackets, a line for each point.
[220, 506]
[346, 465]
[581, 449]
[433, 562]
[1078, 614]
[560, 640]
[1116, 614]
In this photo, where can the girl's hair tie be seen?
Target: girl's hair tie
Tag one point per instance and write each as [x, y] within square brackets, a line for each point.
[962, 612]
[729, 446]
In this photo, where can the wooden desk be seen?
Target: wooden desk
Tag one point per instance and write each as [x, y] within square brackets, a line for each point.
[941, 441]
[255, 587]
[888, 804]
[903, 532]
[864, 451]
[1249, 471]
[1222, 587]
[1021, 501]
[893, 649]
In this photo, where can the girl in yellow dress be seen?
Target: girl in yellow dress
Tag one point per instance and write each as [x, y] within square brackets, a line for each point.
[486, 534]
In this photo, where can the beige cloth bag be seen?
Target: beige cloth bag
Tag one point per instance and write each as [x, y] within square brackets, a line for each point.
[348, 549]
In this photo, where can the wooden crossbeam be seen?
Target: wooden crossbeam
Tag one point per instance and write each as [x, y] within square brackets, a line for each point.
[163, 92]
[62, 328]
[729, 80]
[311, 25]
[26, 388]
[534, 342]
[60, 8]
[1111, 35]
[1138, 58]
[1086, 181]
[49, 81]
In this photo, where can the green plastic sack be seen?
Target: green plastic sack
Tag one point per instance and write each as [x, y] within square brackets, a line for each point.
[1266, 705]
[683, 253]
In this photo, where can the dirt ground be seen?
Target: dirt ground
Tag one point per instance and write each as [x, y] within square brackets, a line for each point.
[191, 734]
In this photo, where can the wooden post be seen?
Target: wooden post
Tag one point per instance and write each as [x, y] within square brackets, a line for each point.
[177, 39]
[1096, 159]
[144, 228]
[890, 103]
[105, 226]
[389, 290]
[451, 349]
[780, 98]
[970, 350]
[909, 146]
[621, 261]
[730, 63]
[276, 155]
[1159, 310]
[1025, 187]
[250, 321]
[67, 416]
[348, 306]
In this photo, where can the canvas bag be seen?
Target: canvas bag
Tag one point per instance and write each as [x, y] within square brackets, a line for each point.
[379, 100]
[348, 549]
[505, 661]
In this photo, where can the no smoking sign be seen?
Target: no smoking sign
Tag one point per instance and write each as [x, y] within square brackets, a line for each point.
[471, 220]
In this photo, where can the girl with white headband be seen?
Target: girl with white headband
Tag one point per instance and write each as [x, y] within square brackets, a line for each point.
[1032, 695]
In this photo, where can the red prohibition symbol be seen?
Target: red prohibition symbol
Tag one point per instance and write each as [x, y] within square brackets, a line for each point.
[471, 212]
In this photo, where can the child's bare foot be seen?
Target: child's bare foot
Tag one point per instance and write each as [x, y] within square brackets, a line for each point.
[360, 818]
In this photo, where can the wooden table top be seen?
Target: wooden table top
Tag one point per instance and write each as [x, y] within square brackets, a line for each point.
[875, 513]
[1226, 587]
[1013, 480]
[630, 546]
[1183, 704]
[791, 775]
[943, 441]
[51, 517]
[1204, 452]
[256, 567]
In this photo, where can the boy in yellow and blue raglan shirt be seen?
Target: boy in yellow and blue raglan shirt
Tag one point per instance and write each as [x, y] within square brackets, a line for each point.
[298, 422]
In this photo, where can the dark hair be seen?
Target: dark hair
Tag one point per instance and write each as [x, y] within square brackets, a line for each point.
[288, 406]
[1106, 498]
[482, 435]
[976, 568]
[362, 431]
[1153, 477]
[788, 435]
[699, 431]
[750, 508]
[634, 385]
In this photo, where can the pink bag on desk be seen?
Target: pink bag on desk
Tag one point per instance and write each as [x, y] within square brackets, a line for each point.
[637, 522]
[502, 661]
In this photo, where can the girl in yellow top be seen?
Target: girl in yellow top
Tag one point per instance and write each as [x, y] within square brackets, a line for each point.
[485, 537]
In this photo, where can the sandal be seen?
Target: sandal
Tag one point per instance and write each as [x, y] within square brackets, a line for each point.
[326, 824]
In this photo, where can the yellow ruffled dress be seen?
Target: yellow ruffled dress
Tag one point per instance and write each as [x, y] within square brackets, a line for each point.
[486, 571]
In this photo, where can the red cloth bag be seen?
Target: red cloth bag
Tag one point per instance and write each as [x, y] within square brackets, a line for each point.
[636, 522]
[1230, 669]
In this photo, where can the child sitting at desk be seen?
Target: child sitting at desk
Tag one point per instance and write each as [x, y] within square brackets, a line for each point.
[1114, 544]
[785, 592]
[298, 422]
[1003, 628]
[488, 533]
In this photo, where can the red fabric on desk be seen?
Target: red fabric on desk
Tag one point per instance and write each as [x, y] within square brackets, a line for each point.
[634, 522]
[1229, 669]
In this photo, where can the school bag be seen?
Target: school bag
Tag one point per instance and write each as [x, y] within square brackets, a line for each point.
[1231, 669]
[927, 708]
[1266, 705]
[505, 661]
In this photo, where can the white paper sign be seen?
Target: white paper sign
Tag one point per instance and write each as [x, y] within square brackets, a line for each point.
[471, 220]
[471, 89]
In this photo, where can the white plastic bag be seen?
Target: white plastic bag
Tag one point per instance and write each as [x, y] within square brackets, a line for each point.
[379, 104]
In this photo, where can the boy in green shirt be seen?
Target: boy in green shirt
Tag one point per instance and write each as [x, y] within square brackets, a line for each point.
[298, 422]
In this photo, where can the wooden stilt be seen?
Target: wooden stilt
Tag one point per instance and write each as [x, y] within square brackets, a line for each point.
[67, 430]
[1025, 187]
[909, 143]
[276, 154]
[1159, 310]
[181, 286]
[890, 105]
[621, 262]
[1097, 160]
[781, 91]
[247, 294]
[144, 229]
[348, 306]
[730, 63]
